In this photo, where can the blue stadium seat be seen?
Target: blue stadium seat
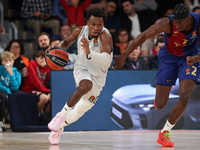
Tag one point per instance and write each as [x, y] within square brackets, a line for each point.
[24, 113]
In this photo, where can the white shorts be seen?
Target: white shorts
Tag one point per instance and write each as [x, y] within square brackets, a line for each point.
[82, 74]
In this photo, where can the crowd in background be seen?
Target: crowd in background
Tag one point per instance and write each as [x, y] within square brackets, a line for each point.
[125, 19]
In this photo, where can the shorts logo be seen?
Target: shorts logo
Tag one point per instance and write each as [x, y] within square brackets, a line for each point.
[187, 71]
[93, 99]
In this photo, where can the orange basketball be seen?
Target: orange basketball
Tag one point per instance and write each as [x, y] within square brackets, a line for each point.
[57, 58]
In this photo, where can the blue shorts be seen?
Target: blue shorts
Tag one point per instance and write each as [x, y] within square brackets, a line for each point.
[172, 67]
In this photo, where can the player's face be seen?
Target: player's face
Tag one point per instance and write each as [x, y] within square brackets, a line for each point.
[180, 24]
[95, 25]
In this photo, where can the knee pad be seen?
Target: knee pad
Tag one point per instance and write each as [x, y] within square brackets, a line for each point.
[78, 111]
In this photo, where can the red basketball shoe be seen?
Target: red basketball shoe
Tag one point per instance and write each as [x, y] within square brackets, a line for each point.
[164, 139]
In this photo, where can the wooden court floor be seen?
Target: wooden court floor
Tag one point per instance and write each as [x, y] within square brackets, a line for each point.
[99, 140]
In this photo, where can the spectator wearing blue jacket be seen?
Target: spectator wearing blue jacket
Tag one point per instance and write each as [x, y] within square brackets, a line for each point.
[10, 80]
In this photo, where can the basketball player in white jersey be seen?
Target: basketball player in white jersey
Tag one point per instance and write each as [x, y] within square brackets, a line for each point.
[94, 58]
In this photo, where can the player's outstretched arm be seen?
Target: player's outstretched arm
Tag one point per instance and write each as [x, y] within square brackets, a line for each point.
[162, 26]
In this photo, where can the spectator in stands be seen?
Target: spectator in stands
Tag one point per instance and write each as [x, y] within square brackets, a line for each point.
[143, 5]
[167, 13]
[59, 11]
[192, 3]
[38, 15]
[163, 5]
[38, 81]
[148, 8]
[2, 30]
[4, 39]
[196, 9]
[65, 31]
[154, 62]
[112, 22]
[75, 12]
[55, 40]
[133, 61]
[148, 49]
[21, 62]
[134, 22]
[97, 4]
[122, 40]
[10, 80]
[159, 36]
[43, 41]
[72, 57]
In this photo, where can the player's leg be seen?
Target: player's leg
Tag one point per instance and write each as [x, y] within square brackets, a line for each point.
[166, 77]
[84, 81]
[77, 112]
[185, 91]
[86, 102]
[162, 95]
[187, 77]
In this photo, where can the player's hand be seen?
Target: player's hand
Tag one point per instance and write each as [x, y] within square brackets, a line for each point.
[85, 45]
[119, 61]
[52, 46]
[190, 60]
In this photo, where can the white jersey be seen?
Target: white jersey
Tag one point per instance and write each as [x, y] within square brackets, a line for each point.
[97, 70]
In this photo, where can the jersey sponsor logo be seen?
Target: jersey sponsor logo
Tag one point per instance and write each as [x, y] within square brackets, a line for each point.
[187, 71]
[175, 33]
[194, 35]
[168, 80]
[93, 99]
[96, 44]
[176, 44]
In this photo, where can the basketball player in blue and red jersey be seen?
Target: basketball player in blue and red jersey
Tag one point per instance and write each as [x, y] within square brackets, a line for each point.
[181, 39]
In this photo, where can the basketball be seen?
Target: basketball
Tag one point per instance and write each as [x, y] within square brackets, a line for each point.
[57, 58]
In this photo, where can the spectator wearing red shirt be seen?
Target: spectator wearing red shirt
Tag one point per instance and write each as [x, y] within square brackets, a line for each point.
[37, 81]
[75, 12]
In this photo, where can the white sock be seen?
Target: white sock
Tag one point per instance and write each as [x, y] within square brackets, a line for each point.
[66, 109]
[167, 127]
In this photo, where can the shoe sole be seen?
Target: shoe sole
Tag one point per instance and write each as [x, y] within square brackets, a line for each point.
[161, 143]
[52, 143]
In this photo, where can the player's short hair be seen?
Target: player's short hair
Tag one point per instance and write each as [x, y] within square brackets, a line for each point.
[7, 54]
[180, 11]
[96, 12]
